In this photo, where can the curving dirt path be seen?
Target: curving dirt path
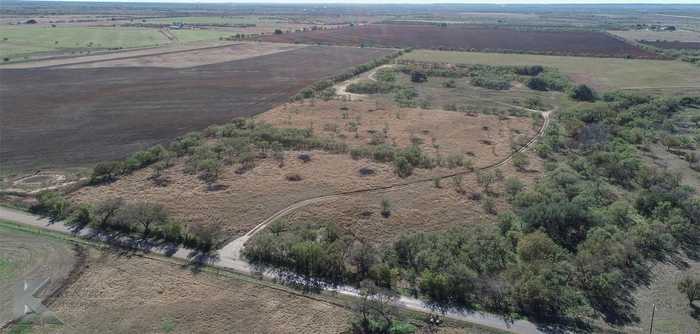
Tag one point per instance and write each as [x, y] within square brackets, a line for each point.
[230, 255]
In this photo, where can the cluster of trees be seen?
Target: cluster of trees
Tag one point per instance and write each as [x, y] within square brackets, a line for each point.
[575, 245]
[241, 141]
[405, 160]
[324, 88]
[138, 220]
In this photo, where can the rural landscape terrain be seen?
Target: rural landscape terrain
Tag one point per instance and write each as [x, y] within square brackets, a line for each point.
[337, 168]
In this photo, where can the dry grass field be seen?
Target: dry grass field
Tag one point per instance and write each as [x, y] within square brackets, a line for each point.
[244, 200]
[119, 294]
[418, 208]
[28, 256]
[70, 117]
[650, 35]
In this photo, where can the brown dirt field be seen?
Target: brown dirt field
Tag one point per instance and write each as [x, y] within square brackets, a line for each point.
[419, 208]
[72, 117]
[466, 38]
[196, 57]
[139, 295]
[454, 132]
[245, 200]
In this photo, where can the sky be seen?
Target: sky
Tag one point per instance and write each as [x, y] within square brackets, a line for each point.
[427, 1]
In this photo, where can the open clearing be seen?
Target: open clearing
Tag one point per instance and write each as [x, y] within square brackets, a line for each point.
[139, 295]
[462, 37]
[419, 208]
[68, 117]
[601, 73]
[650, 35]
[24, 255]
[17, 41]
[247, 199]
[205, 56]
[673, 45]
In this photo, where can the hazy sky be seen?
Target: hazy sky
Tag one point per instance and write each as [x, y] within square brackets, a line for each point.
[429, 1]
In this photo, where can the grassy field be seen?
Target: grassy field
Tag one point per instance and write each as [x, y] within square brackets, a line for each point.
[24, 255]
[219, 20]
[16, 41]
[678, 35]
[602, 73]
[22, 41]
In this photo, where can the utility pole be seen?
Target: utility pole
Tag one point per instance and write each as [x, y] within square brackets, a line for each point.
[651, 326]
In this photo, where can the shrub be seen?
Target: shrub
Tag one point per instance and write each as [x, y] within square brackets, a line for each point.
[458, 181]
[52, 205]
[537, 83]
[455, 160]
[304, 157]
[106, 172]
[520, 161]
[293, 177]
[403, 167]
[418, 76]
[583, 93]
[449, 84]
[690, 287]
[513, 186]
[489, 205]
[386, 208]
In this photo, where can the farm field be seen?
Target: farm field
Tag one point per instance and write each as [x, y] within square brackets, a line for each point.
[649, 35]
[601, 73]
[105, 113]
[24, 255]
[257, 194]
[673, 44]
[18, 41]
[461, 37]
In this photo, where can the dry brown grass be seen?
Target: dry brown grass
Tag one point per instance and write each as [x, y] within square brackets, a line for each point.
[139, 295]
[418, 208]
[245, 200]
[454, 132]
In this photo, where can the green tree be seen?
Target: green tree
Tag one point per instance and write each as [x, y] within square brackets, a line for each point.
[209, 171]
[513, 186]
[583, 93]
[486, 179]
[690, 286]
[520, 161]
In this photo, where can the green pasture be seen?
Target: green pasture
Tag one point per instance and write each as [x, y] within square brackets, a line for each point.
[602, 73]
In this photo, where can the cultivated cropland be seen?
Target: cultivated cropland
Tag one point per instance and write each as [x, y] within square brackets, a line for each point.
[348, 168]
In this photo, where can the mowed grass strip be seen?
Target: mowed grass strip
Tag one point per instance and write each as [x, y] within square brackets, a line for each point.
[602, 73]
[24, 40]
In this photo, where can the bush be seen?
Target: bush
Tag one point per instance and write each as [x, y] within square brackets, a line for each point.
[520, 161]
[293, 177]
[106, 172]
[583, 93]
[418, 76]
[403, 167]
[489, 205]
[537, 83]
[52, 205]
[386, 208]
[304, 157]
